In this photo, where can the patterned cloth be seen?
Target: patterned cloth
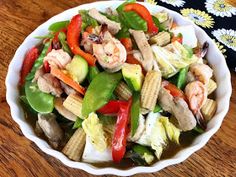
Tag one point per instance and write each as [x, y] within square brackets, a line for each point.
[216, 17]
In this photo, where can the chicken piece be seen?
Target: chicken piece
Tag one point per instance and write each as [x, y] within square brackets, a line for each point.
[38, 73]
[113, 27]
[58, 103]
[49, 84]
[179, 108]
[111, 54]
[58, 58]
[67, 89]
[51, 128]
[145, 49]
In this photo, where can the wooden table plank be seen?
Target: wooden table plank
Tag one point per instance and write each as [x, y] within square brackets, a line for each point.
[21, 157]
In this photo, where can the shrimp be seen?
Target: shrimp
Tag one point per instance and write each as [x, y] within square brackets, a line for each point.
[196, 94]
[201, 72]
[58, 58]
[111, 54]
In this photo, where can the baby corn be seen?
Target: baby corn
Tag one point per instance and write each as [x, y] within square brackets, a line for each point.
[211, 87]
[122, 91]
[73, 103]
[75, 146]
[209, 108]
[150, 90]
[161, 39]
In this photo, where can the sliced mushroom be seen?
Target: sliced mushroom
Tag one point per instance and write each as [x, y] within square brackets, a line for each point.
[51, 128]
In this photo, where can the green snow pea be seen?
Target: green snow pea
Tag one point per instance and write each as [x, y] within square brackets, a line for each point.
[57, 26]
[182, 77]
[93, 72]
[135, 110]
[78, 123]
[158, 24]
[62, 39]
[87, 20]
[39, 61]
[134, 21]
[100, 91]
[157, 108]
[39, 101]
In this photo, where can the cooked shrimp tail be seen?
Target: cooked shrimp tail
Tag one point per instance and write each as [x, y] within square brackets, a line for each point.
[200, 120]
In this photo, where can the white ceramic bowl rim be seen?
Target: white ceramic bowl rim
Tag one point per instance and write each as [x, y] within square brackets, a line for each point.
[216, 59]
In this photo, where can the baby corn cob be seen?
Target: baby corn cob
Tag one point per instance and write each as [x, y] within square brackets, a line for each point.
[211, 87]
[161, 39]
[150, 90]
[73, 103]
[122, 91]
[209, 108]
[75, 146]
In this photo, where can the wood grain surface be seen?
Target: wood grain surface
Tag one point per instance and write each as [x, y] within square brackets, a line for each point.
[21, 157]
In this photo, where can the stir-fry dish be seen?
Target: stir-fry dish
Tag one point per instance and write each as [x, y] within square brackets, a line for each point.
[118, 85]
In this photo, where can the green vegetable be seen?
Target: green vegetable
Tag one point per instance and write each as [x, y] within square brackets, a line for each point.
[182, 77]
[134, 21]
[93, 72]
[135, 110]
[48, 36]
[58, 26]
[87, 20]
[189, 49]
[157, 108]
[172, 131]
[158, 24]
[78, 123]
[107, 120]
[111, 17]
[100, 91]
[120, 7]
[133, 76]
[78, 68]
[143, 153]
[38, 62]
[65, 46]
[39, 101]
[198, 130]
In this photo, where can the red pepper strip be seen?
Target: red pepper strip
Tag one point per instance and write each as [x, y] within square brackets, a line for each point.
[46, 67]
[73, 34]
[127, 43]
[144, 13]
[121, 131]
[178, 38]
[112, 107]
[174, 91]
[28, 63]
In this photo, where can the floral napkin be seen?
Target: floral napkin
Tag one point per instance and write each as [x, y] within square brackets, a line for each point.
[216, 17]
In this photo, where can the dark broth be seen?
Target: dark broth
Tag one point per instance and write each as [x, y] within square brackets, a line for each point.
[186, 139]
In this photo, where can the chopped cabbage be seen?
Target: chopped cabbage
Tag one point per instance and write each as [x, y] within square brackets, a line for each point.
[172, 131]
[94, 129]
[172, 58]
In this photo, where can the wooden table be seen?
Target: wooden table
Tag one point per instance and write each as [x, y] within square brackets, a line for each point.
[21, 157]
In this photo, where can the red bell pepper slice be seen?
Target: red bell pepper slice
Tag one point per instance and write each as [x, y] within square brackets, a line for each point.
[121, 131]
[28, 63]
[112, 107]
[73, 34]
[174, 91]
[144, 13]
[127, 43]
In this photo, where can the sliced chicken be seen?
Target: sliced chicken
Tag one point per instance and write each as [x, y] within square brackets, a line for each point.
[111, 54]
[58, 58]
[47, 83]
[144, 47]
[51, 128]
[58, 103]
[40, 72]
[179, 108]
[113, 26]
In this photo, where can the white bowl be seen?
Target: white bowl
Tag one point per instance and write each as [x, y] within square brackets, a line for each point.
[214, 56]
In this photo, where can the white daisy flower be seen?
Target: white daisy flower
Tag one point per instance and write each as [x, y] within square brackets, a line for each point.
[227, 37]
[220, 8]
[175, 3]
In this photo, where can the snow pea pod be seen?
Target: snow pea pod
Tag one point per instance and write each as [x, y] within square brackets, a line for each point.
[93, 72]
[39, 101]
[58, 26]
[100, 91]
[39, 61]
[135, 110]
[181, 79]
